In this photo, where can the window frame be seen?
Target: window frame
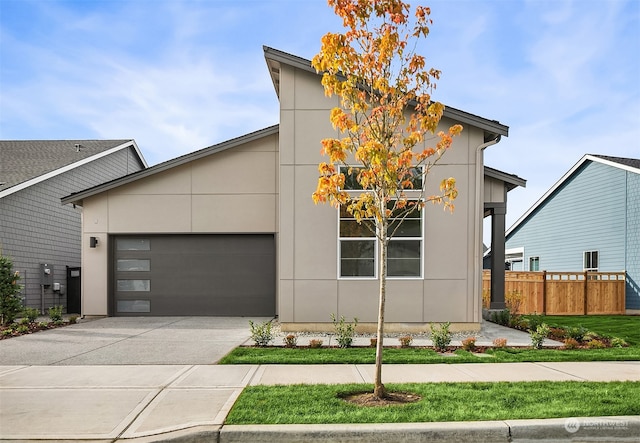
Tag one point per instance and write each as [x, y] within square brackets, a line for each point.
[537, 262]
[589, 261]
[376, 242]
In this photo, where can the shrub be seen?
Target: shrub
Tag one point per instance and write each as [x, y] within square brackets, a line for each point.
[558, 333]
[22, 329]
[344, 330]
[31, 314]
[590, 335]
[500, 342]
[73, 319]
[595, 344]
[486, 298]
[576, 332]
[502, 317]
[261, 333]
[441, 336]
[571, 343]
[538, 336]
[290, 341]
[513, 300]
[315, 343]
[10, 298]
[534, 321]
[7, 332]
[469, 344]
[43, 325]
[405, 341]
[617, 342]
[24, 321]
[55, 313]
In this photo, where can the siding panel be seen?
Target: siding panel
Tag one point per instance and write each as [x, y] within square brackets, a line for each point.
[36, 228]
[586, 213]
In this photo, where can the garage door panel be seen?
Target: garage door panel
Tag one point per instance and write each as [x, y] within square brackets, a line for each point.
[197, 275]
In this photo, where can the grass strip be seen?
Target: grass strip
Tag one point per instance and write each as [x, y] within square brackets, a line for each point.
[293, 356]
[315, 404]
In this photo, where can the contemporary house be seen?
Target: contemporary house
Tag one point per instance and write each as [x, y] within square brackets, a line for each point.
[588, 221]
[41, 236]
[232, 229]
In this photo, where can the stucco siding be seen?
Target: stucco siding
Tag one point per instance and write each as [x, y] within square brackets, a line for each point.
[310, 288]
[587, 213]
[231, 191]
[36, 228]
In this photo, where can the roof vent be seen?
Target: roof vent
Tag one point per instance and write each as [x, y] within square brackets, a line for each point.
[78, 146]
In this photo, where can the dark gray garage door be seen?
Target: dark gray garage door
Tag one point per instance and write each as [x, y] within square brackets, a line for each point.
[226, 275]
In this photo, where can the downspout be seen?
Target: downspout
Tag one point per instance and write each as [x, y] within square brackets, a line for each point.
[479, 212]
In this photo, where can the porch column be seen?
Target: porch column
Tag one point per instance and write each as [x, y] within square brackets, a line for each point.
[498, 213]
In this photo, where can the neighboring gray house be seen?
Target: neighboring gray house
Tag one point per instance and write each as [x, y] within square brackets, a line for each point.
[35, 228]
[589, 220]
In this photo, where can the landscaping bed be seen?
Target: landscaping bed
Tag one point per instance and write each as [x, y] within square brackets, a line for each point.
[588, 338]
[30, 322]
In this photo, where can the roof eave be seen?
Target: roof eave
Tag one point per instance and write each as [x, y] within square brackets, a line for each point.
[78, 197]
[275, 58]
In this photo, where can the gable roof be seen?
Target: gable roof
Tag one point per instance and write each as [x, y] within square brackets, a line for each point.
[627, 164]
[275, 58]
[24, 163]
[77, 197]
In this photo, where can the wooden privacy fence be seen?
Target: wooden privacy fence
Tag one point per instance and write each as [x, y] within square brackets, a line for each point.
[564, 293]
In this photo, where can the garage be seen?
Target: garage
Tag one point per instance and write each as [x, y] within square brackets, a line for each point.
[192, 274]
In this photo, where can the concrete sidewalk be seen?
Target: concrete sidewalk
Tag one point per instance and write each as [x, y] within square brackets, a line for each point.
[190, 402]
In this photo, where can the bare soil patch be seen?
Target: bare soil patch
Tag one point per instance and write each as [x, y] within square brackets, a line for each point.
[392, 399]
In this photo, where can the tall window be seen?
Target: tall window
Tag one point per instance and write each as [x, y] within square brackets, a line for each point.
[591, 261]
[359, 244]
[534, 263]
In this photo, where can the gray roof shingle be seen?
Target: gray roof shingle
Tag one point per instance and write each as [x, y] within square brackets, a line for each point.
[632, 162]
[23, 160]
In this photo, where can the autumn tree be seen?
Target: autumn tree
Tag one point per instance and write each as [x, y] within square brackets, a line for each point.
[388, 121]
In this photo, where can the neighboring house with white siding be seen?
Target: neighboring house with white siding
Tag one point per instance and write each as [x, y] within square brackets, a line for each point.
[588, 221]
[35, 228]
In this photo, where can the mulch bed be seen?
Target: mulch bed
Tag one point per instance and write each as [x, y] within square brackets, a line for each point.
[31, 328]
[392, 399]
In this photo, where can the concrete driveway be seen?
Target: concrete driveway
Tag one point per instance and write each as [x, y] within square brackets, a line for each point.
[130, 341]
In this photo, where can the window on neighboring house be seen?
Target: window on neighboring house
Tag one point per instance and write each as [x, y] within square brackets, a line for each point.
[534, 263]
[359, 245]
[591, 261]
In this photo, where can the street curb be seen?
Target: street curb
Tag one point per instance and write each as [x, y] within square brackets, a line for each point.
[618, 429]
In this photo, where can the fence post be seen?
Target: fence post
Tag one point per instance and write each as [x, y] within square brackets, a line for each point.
[544, 293]
[586, 288]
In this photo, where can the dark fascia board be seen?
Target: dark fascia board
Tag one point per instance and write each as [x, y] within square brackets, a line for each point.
[512, 181]
[78, 197]
[274, 57]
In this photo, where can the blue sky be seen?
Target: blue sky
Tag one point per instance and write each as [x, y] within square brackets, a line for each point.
[178, 76]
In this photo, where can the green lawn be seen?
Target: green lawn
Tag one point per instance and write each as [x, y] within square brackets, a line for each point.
[279, 355]
[307, 404]
[622, 326]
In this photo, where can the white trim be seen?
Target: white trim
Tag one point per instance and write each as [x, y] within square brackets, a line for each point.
[584, 257]
[564, 178]
[376, 245]
[69, 167]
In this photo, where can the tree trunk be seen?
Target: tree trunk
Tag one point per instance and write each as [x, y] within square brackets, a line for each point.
[379, 390]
